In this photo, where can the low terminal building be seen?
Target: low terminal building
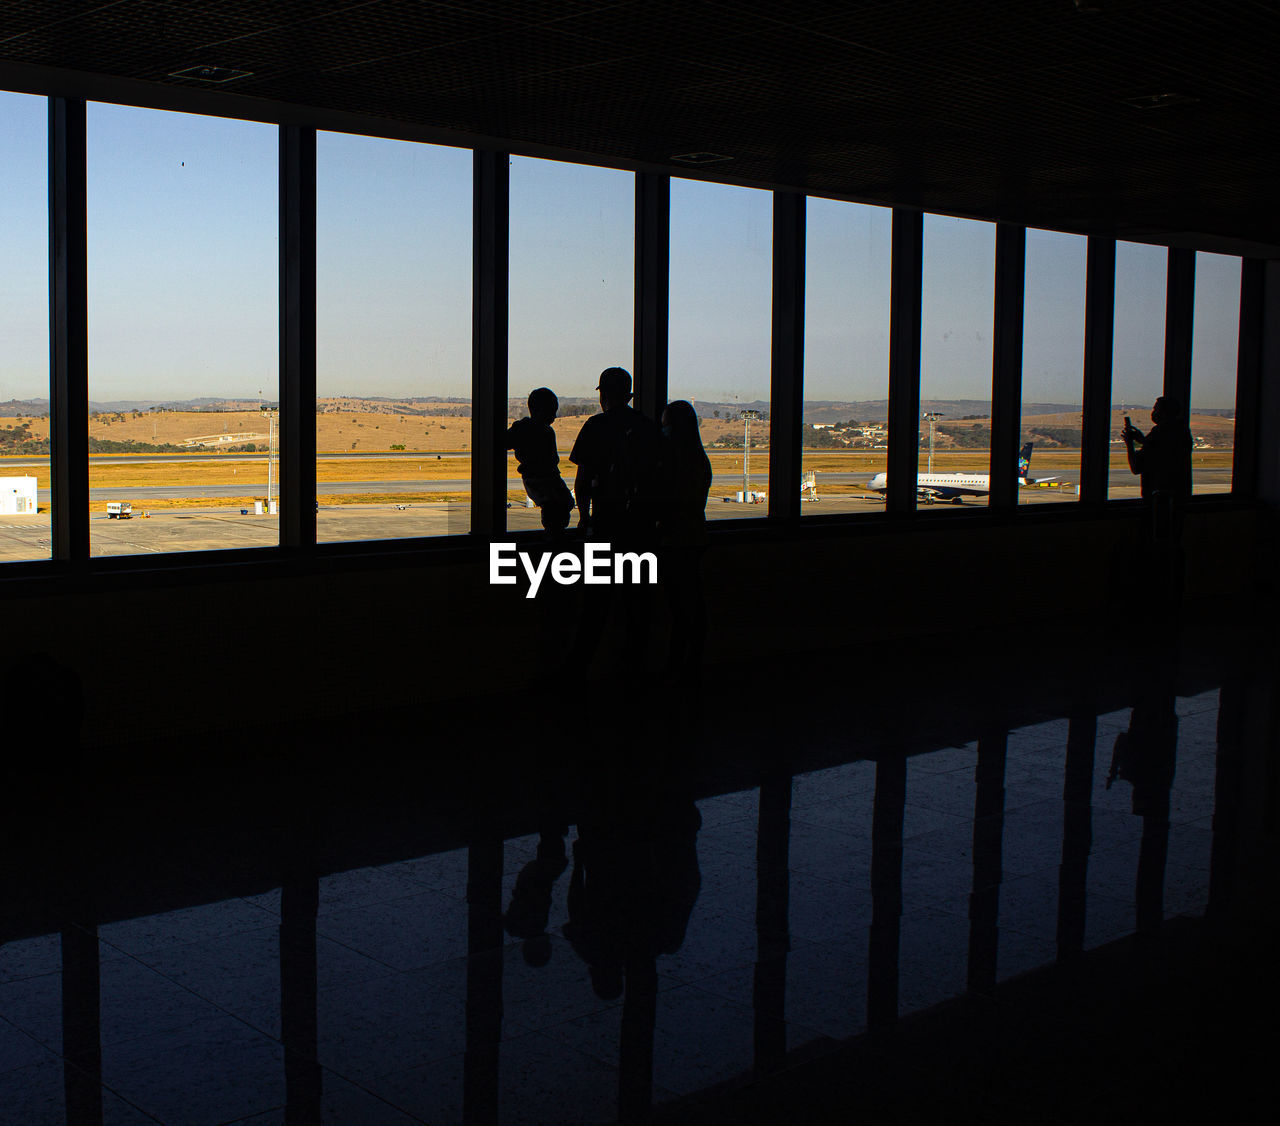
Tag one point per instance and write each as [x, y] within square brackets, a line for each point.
[18, 496]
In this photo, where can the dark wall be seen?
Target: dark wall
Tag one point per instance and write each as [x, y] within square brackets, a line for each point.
[239, 656]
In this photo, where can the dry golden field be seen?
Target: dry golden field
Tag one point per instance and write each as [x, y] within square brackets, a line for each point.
[335, 432]
[367, 433]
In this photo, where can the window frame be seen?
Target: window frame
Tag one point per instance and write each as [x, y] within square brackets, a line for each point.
[298, 550]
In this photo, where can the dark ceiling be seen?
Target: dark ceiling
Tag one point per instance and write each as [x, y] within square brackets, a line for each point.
[1035, 111]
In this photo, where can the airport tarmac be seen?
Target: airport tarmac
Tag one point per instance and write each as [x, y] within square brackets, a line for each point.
[219, 528]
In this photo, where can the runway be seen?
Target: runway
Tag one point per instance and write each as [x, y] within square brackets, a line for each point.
[206, 528]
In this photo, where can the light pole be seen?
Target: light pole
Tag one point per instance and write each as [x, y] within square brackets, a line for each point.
[271, 416]
[932, 418]
[747, 416]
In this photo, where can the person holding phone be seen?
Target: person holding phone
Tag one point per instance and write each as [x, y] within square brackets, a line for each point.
[1162, 456]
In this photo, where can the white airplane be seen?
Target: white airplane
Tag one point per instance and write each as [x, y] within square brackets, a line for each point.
[956, 486]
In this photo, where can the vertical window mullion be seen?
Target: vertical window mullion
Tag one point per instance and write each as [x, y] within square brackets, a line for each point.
[1244, 468]
[1099, 343]
[1267, 403]
[906, 292]
[652, 291]
[297, 187]
[1179, 321]
[68, 323]
[1006, 363]
[787, 361]
[490, 237]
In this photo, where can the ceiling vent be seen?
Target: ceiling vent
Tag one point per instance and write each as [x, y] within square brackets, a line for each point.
[701, 158]
[1159, 101]
[210, 73]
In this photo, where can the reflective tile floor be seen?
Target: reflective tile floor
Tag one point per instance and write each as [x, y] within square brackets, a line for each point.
[735, 925]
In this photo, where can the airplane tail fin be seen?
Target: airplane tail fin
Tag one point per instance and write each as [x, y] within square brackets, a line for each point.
[1024, 459]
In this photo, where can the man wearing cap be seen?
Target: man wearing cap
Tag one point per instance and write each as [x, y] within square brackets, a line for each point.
[616, 453]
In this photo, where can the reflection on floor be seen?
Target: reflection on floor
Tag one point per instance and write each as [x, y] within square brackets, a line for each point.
[895, 907]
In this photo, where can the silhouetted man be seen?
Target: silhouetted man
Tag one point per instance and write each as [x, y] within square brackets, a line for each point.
[616, 453]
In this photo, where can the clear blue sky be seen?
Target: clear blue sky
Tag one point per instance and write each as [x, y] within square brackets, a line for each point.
[182, 275]
[393, 312]
[721, 274]
[24, 248]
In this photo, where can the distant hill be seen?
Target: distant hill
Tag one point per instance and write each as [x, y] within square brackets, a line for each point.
[877, 410]
[815, 410]
[14, 407]
[416, 407]
[112, 406]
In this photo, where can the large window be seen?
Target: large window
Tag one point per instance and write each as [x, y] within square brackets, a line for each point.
[183, 383]
[957, 308]
[24, 327]
[1137, 365]
[1053, 365]
[183, 355]
[572, 270]
[846, 342]
[720, 333]
[393, 339]
[1213, 371]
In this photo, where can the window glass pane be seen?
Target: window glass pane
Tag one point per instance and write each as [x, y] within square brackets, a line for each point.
[572, 270]
[1053, 365]
[393, 339]
[1137, 363]
[183, 350]
[24, 325]
[957, 311]
[846, 355]
[1213, 371]
[721, 324]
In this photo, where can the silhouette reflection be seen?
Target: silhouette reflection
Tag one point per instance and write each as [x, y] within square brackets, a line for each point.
[714, 923]
[633, 885]
[530, 907]
[1145, 756]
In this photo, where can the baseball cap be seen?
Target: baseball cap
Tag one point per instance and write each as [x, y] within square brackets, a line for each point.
[615, 382]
